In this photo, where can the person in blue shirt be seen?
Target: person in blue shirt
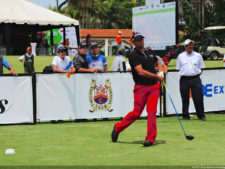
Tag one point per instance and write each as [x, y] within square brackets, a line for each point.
[6, 64]
[96, 60]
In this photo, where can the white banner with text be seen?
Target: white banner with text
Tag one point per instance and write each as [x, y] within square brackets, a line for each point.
[84, 96]
[16, 100]
[213, 84]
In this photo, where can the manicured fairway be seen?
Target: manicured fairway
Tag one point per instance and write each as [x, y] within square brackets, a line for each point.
[89, 144]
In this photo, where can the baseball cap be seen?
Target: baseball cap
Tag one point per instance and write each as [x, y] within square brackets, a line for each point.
[187, 42]
[137, 36]
[94, 45]
[121, 50]
[61, 48]
[28, 48]
[83, 45]
[119, 32]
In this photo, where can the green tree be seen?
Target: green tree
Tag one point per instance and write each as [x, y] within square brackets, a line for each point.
[219, 12]
[60, 5]
[192, 25]
[107, 14]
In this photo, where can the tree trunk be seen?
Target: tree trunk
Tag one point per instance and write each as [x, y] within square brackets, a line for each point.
[59, 7]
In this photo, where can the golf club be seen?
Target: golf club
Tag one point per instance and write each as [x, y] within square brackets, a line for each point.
[188, 137]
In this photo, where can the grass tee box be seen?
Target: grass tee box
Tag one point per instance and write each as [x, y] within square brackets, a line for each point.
[89, 144]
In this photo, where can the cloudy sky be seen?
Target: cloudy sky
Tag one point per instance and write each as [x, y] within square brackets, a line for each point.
[44, 3]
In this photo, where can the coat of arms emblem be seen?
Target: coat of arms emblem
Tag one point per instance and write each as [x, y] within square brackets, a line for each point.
[100, 96]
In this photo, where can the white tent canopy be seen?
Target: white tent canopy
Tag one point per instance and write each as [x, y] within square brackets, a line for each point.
[24, 12]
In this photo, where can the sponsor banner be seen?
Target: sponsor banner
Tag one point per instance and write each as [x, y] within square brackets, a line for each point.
[104, 95]
[71, 36]
[213, 85]
[152, 2]
[153, 8]
[16, 100]
[98, 95]
[58, 36]
[84, 96]
[55, 97]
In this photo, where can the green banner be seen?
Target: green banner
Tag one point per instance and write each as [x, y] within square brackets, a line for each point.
[153, 12]
[57, 36]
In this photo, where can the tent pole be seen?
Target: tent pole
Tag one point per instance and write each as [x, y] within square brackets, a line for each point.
[77, 29]
[52, 41]
[64, 36]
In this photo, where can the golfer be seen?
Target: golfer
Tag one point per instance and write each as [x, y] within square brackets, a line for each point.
[189, 64]
[146, 90]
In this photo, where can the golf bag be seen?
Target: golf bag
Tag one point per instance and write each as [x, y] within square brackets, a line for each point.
[48, 69]
[172, 52]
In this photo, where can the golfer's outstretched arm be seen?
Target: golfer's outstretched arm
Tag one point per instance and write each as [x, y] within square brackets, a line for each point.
[147, 74]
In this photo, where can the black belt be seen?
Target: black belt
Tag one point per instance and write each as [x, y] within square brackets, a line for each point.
[190, 77]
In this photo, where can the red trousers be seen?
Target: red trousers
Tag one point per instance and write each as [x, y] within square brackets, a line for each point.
[143, 95]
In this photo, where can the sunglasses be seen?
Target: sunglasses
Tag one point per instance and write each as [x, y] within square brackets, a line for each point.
[62, 51]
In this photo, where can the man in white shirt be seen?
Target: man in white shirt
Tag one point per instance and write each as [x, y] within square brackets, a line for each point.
[119, 61]
[190, 65]
[62, 63]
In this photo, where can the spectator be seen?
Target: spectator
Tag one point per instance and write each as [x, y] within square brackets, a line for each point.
[3, 62]
[119, 40]
[88, 43]
[80, 62]
[119, 60]
[46, 45]
[62, 63]
[28, 60]
[96, 60]
[190, 65]
[67, 43]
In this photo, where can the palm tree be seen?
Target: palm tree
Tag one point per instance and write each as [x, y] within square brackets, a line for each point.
[59, 6]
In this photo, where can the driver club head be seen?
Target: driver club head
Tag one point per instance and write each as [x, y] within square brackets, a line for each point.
[189, 137]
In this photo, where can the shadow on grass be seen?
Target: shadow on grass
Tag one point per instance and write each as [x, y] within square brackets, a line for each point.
[140, 142]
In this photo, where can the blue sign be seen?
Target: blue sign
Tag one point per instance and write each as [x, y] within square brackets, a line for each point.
[209, 90]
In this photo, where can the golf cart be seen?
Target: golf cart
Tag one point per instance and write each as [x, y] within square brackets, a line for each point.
[214, 46]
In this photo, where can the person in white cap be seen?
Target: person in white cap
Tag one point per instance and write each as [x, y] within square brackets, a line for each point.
[62, 63]
[119, 40]
[190, 65]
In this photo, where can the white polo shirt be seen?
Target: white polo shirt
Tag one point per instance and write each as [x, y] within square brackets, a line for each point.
[190, 65]
[63, 64]
[117, 64]
[23, 57]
